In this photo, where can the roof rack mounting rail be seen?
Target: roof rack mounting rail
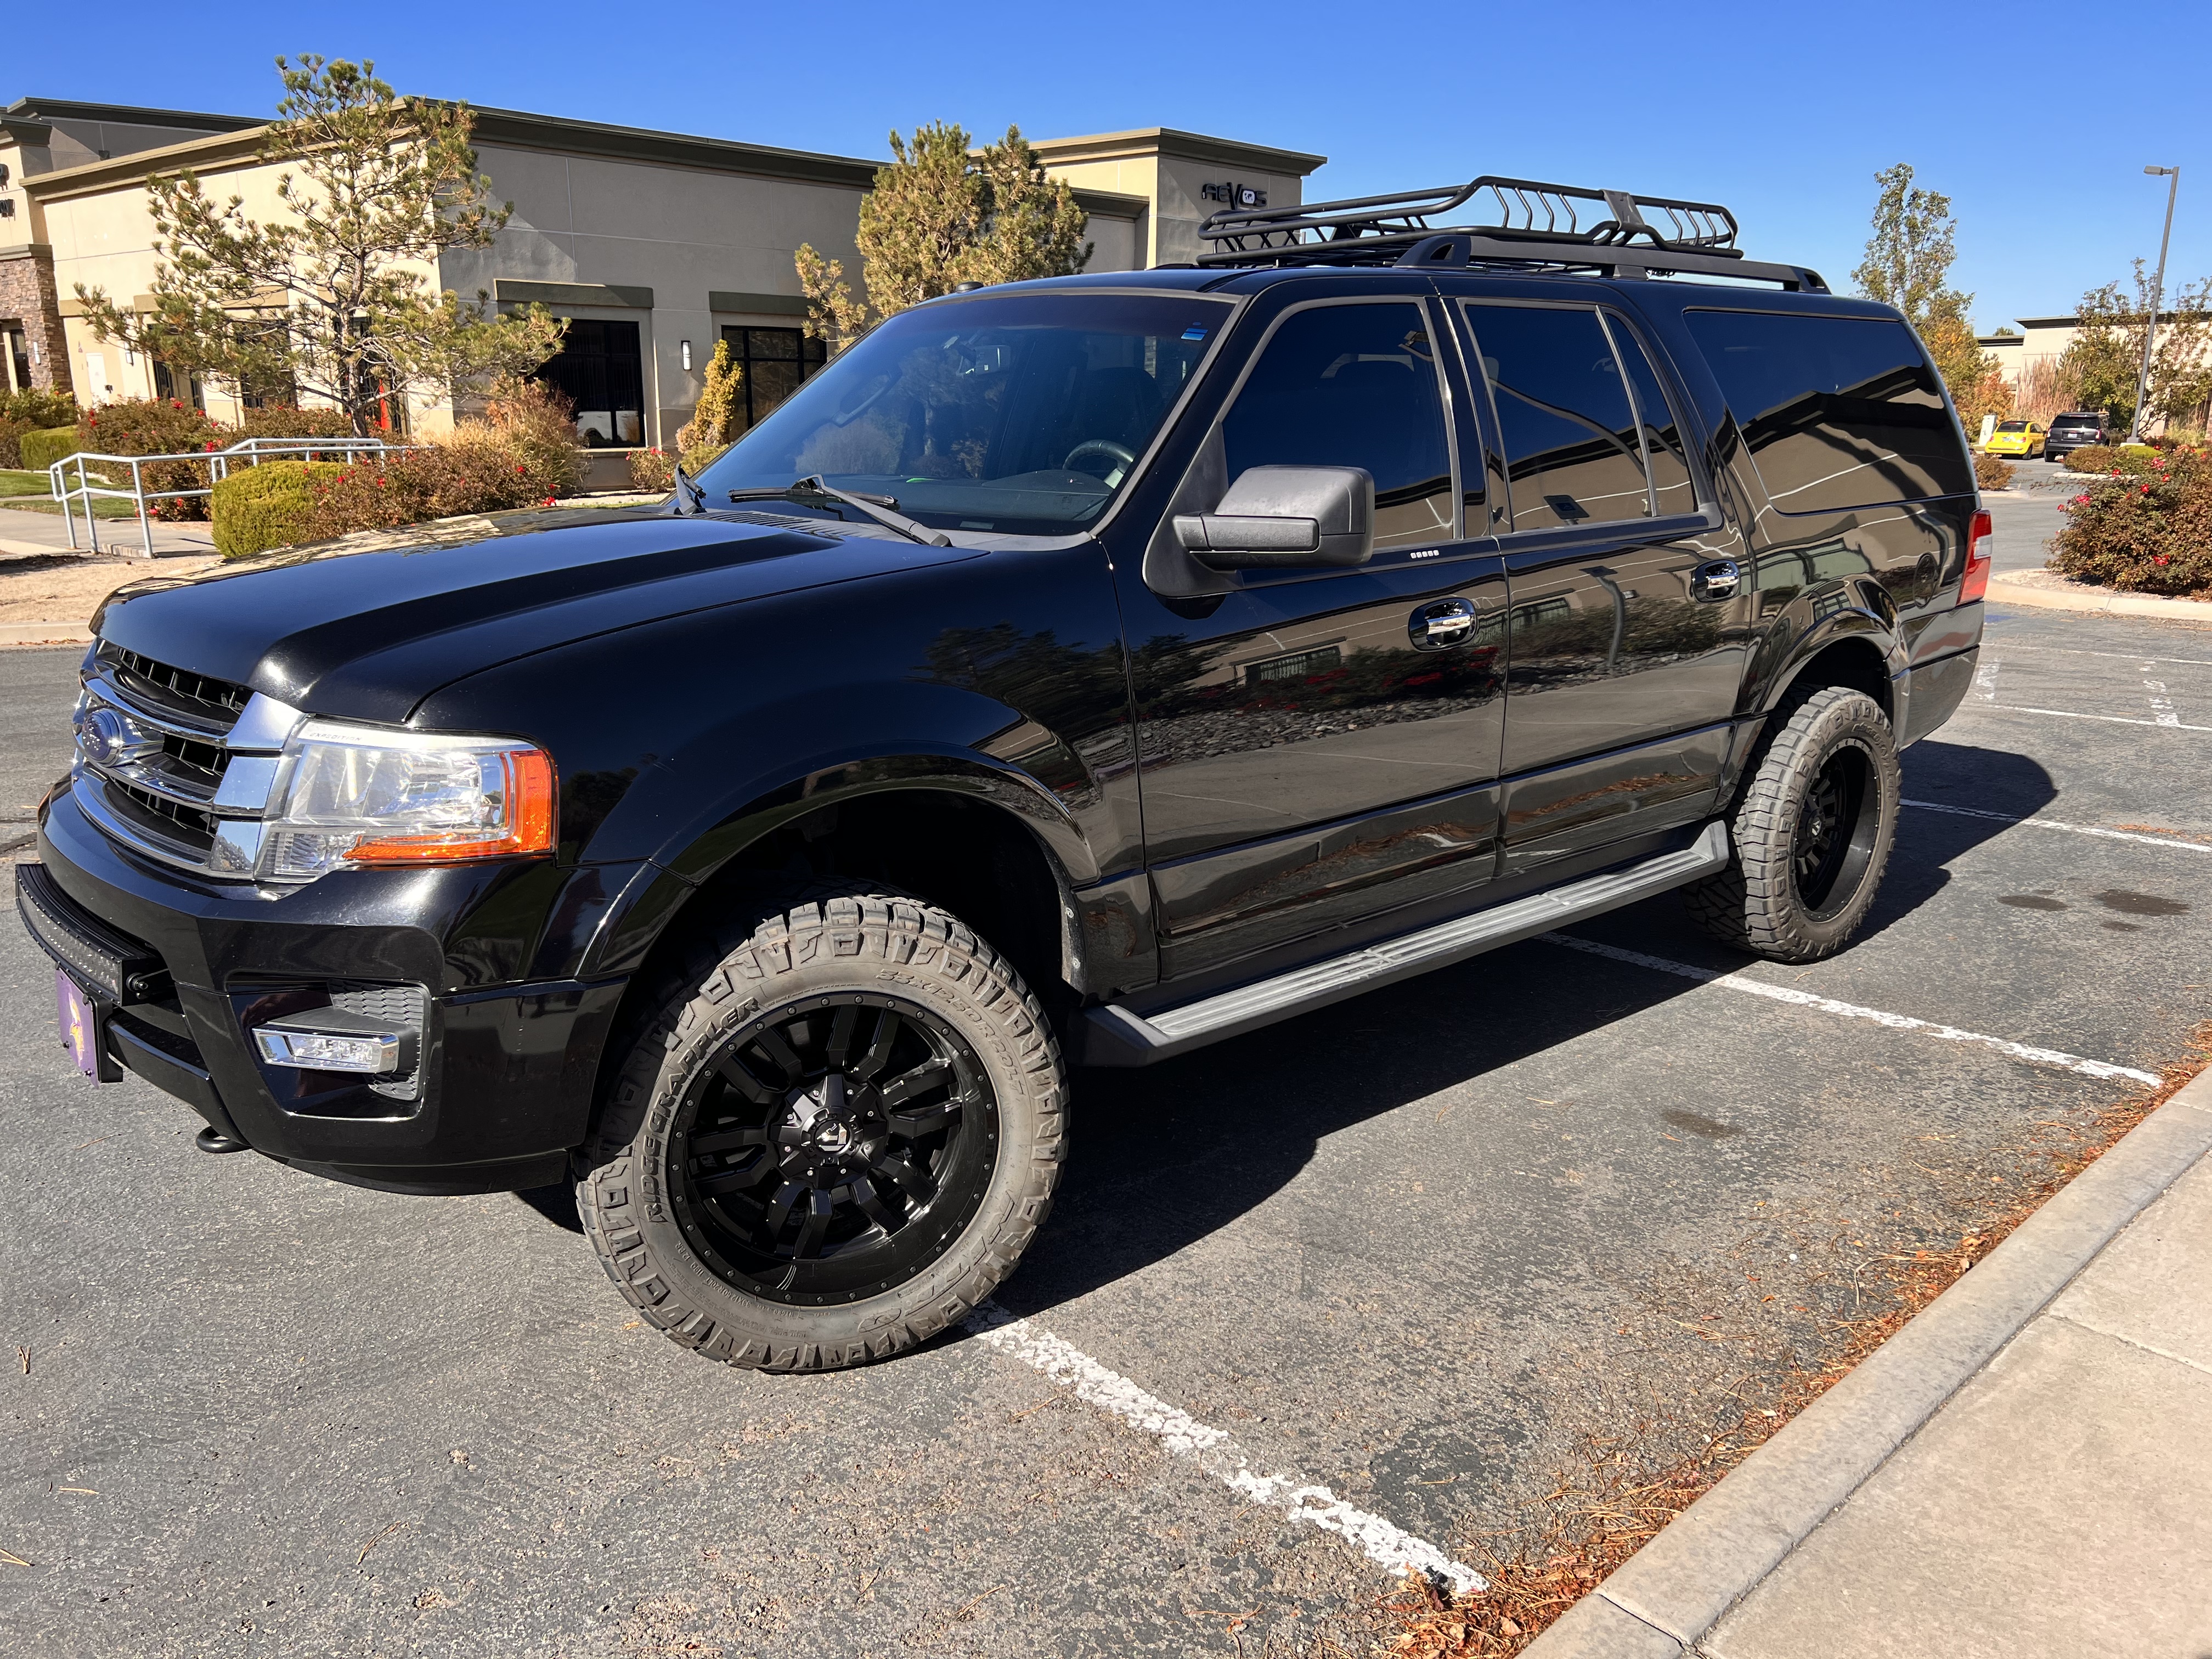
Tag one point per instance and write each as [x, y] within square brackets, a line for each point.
[1520, 223]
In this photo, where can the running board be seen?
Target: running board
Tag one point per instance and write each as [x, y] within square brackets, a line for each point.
[1114, 1036]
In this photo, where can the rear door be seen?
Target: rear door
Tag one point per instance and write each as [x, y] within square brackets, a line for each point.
[1627, 592]
[1318, 743]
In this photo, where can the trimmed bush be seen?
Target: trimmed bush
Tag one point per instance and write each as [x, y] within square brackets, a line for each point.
[11, 443]
[272, 505]
[1992, 472]
[2150, 532]
[41, 449]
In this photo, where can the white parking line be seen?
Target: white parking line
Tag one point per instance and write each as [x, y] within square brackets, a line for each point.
[2116, 656]
[1213, 1450]
[1852, 1011]
[2053, 824]
[1985, 678]
[2116, 720]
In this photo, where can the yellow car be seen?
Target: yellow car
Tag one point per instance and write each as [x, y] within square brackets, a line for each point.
[2024, 439]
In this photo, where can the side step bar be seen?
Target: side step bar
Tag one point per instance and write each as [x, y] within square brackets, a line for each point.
[1114, 1036]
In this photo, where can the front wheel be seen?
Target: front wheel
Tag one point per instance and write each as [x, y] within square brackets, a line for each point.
[835, 1135]
[1813, 833]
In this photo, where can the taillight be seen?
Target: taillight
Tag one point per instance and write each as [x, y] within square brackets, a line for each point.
[1981, 547]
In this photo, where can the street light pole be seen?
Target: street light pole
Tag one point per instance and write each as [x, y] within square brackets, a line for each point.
[2157, 292]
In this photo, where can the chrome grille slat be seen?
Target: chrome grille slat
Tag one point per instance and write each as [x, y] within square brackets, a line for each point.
[163, 780]
[162, 804]
[160, 717]
[218, 702]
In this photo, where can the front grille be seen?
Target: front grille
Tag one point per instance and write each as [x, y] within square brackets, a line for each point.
[173, 820]
[177, 689]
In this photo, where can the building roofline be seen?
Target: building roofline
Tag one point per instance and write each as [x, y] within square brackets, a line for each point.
[2164, 317]
[1185, 146]
[518, 129]
[44, 110]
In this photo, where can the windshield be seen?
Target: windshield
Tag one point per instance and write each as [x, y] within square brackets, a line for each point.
[1022, 413]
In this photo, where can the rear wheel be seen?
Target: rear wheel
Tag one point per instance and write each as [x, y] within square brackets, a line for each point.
[1812, 834]
[836, 1135]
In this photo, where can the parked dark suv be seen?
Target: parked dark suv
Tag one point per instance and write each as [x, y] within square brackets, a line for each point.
[1073, 672]
[2079, 430]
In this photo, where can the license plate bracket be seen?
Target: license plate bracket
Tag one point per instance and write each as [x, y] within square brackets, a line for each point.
[83, 1020]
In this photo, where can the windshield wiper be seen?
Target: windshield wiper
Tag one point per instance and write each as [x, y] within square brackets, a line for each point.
[813, 492]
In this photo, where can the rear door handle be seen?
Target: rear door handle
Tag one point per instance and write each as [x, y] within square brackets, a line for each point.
[1716, 580]
[1440, 624]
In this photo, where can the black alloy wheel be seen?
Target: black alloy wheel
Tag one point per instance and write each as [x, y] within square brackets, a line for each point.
[832, 1150]
[1835, 832]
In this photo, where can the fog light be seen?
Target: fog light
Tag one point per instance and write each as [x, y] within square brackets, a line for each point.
[336, 1040]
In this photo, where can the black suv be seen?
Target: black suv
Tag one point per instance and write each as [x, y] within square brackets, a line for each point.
[2079, 430]
[1073, 672]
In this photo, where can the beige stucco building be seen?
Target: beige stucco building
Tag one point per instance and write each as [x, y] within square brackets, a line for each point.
[656, 244]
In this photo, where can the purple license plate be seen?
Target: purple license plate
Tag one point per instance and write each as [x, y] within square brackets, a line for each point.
[80, 1021]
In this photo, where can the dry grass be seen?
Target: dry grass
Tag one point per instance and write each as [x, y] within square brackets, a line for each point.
[1619, 1496]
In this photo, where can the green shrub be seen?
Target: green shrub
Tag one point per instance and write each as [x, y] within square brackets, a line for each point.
[2146, 532]
[40, 449]
[272, 505]
[40, 409]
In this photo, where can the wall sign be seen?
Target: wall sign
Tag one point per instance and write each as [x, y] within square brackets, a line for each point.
[1234, 195]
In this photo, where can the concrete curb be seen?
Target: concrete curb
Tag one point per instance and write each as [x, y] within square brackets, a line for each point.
[39, 633]
[2097, 599]
[1666, 1598]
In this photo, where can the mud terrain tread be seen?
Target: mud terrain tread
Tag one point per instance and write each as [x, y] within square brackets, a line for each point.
[1752, 904]
[730, 975]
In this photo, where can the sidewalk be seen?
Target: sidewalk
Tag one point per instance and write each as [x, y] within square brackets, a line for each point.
[24, 532]
[2025, 1470]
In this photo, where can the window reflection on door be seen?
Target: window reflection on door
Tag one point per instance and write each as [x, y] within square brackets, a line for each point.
[775, 360]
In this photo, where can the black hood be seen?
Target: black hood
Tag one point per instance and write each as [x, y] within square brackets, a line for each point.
[368, 626]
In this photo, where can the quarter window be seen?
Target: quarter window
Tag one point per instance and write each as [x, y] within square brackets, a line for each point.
[1573, 455]
[1837, 411]
[1354, 385]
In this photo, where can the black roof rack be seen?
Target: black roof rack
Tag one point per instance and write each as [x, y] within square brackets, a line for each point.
[1523, 225]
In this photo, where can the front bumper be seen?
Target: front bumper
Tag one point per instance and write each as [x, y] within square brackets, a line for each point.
[504, 1085]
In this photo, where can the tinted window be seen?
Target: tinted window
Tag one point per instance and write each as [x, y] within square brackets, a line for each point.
[1672, 489]
[1573, 454]
[2075, 423]
[2012, 426]
[601, 369]
[1020, 413]
[1352, 385]
[1839, 412]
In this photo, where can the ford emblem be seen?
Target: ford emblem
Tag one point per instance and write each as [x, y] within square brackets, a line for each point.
[110, 737]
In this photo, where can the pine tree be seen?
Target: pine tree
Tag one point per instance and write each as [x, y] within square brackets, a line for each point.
[1908, 263]
[941, 215]
[329, 300]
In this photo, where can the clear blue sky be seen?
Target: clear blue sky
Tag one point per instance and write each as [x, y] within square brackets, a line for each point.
[2035, 119]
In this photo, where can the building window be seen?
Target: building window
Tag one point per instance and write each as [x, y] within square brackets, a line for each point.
[600, 368]
[775, 360]
[14, 360]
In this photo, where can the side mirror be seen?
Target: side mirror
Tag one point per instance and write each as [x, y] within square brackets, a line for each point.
[1285, 516]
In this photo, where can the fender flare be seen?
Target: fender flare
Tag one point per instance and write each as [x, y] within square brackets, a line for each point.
[692, 857]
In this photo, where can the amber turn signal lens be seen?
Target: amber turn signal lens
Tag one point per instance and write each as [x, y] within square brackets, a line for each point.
[527, 825]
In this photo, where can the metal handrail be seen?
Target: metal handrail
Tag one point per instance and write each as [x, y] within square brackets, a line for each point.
[251, 451]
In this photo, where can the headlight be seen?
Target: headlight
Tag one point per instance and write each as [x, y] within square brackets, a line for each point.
[350, 795]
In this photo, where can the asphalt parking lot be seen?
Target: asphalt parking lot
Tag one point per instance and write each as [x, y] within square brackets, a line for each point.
[1419, 1251]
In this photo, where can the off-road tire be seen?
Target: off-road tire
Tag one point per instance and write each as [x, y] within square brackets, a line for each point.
[1753, 903]
[837, 939]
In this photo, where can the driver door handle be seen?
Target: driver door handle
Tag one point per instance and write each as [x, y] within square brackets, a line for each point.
[1440, 624]
[1716, 580]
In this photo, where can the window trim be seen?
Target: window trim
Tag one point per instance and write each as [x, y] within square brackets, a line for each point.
[1459, 539]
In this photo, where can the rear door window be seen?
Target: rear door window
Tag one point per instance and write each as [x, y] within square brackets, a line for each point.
[1837, 411]
[1354, 385]
[1671, 490]
[1573, 452]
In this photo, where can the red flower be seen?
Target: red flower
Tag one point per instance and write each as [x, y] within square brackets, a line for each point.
[176, 402]
[549, 500]
[2161, 559]
[522, 469]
